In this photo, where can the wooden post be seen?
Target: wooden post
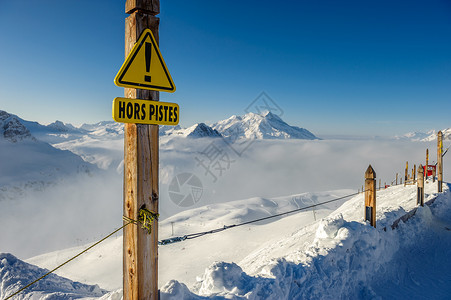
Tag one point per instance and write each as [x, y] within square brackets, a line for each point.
[396, 178]
[439, 160]
[406, 177]
[141, 158]
[434, 173]
[420, 186]
[370, 196]
[413, 173]
[427, 164]
[379, 184]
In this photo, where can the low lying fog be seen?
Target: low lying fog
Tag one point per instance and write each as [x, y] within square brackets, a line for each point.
[81, 210]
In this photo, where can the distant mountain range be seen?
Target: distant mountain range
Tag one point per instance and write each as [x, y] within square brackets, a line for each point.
[431, 135]
[26, 160]
[30, 150]
[260, 126]
[249, 126]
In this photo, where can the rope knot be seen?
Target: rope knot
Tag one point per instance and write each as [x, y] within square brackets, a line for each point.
[145, 218]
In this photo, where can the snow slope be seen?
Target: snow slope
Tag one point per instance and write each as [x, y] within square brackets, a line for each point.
[105, 262]
[28, 163]
[294, 257]
[102, 144]
[334, 257]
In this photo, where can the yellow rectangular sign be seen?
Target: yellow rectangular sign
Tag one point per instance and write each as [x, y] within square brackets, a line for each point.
[137, 111]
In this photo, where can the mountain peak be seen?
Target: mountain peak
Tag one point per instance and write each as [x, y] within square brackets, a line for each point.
[260, 126]
[12, 128]
[200, 130]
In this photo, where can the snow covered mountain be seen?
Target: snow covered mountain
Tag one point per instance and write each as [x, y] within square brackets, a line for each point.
[29, 162]
[12, 129]
[198, 130]
[429, 136]
[15, 273]
[260, 126]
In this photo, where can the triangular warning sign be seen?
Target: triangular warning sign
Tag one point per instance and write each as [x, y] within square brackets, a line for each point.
[144, 67]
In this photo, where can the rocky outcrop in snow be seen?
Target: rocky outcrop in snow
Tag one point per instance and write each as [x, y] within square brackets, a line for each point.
[12, 129]
[198, 130]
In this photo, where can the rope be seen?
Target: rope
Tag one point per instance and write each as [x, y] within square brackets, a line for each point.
[67, 261]
[199, 234]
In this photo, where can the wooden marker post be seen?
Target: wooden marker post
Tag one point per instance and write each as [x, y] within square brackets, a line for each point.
[379, 184]
[140, 254]
[434, 173]
[420, 186]
[439, 160]
[406, 175]
[370, 196]
[396, 178]
[413, 173]
[427, 164]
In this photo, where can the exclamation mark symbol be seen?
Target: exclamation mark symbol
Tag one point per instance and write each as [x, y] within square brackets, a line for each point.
[148, 54]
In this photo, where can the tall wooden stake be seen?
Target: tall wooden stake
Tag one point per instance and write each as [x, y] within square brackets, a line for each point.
[427, 164]
[420, 186]
[434, 173]
[406, 175]
[413, 173]
[396, 178]
[140, 252]
[370, 196]
[440, 160]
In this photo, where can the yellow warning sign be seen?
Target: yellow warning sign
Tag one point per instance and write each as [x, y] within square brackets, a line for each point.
[144, 67]
[137, 111]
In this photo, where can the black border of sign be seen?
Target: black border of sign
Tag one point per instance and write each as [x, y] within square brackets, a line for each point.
[153, 87]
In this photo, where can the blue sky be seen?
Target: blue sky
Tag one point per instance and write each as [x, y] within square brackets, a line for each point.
[334, 67]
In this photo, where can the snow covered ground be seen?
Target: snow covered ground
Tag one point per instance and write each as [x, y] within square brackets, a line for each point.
[296, 257]
[326, 253]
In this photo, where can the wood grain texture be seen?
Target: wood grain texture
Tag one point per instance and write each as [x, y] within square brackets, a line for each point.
[420, 186]
[151, 7]
[141, 159]
[439, 160]
[370, 193]
[406, 176]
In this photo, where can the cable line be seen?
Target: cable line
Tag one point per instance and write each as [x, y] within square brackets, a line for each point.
[199, 234]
